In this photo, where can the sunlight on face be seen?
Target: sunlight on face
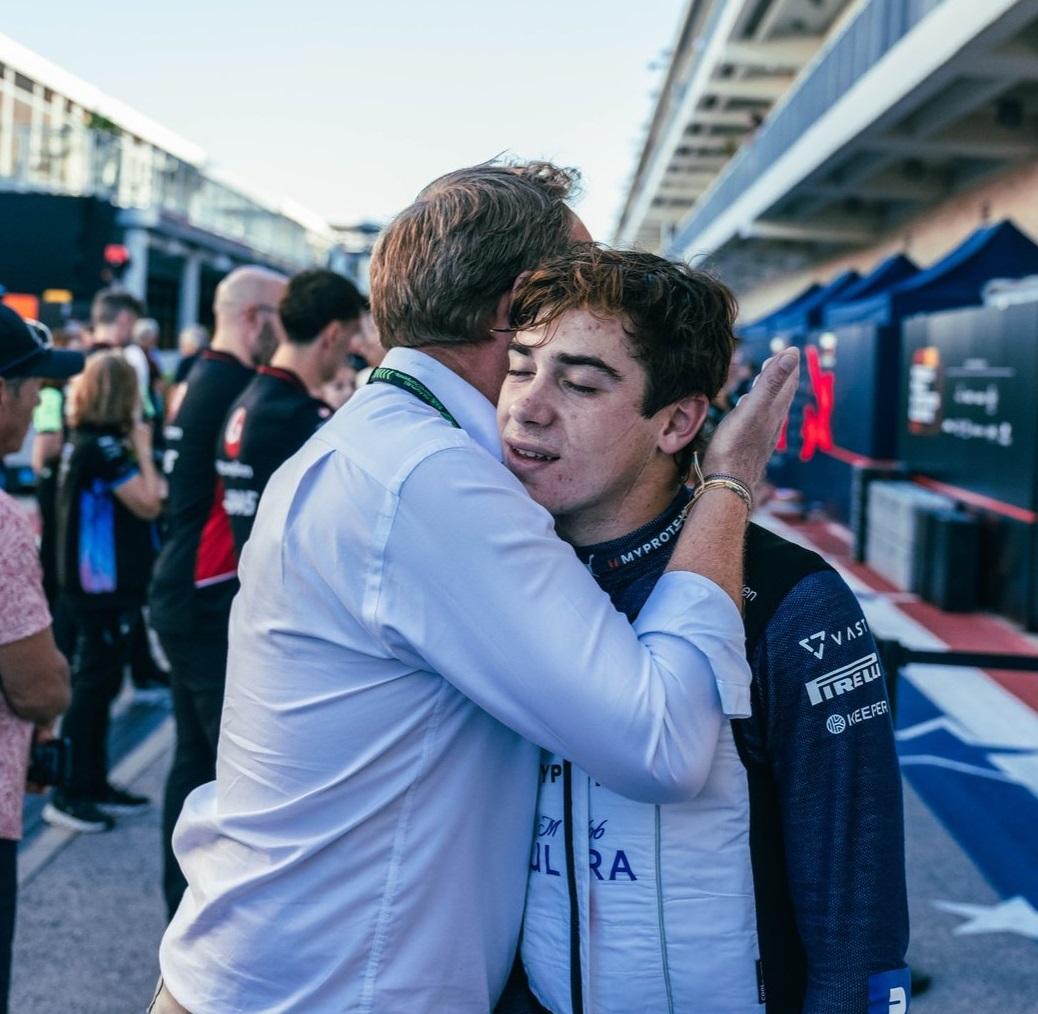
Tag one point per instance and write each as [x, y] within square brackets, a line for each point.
[570, 417]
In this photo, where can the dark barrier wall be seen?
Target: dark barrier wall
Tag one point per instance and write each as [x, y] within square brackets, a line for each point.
[969, 414]
[53, 242]
[969, 418]
[866, 363]
[844, 411]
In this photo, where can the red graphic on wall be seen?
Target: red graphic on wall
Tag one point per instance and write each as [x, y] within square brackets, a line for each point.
[817, 429]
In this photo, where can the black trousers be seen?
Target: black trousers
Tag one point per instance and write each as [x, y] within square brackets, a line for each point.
[8, 898]
[102, 644]
[199, 668]
[143, 670]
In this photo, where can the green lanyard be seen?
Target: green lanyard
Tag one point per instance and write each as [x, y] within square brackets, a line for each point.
[386, 375]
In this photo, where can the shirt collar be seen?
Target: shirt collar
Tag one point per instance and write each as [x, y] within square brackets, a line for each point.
[476, 416]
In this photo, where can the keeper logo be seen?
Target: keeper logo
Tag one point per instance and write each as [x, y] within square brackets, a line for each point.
[836, 724]
[843, 680]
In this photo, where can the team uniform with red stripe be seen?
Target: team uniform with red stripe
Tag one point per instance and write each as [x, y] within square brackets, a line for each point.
[273, 417]
[195, 576]
[194, 581]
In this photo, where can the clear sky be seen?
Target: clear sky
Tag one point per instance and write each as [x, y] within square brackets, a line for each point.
[351, 107]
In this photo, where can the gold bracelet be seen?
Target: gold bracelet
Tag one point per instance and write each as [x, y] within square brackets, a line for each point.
[725, 482]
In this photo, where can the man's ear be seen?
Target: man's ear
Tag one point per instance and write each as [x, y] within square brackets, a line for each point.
[502, 320]
[681, 422]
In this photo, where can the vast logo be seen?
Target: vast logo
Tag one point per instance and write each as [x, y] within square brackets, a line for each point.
[844, 680]
[815, 643]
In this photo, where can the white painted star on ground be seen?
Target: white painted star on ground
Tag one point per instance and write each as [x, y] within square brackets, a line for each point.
[1015, 915]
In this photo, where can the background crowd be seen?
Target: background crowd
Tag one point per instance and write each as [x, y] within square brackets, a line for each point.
[147, 475]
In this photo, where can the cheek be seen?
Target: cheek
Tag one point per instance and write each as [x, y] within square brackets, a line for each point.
[603, 431]
[504, 402]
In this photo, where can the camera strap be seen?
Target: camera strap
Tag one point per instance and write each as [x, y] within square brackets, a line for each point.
[386, 375]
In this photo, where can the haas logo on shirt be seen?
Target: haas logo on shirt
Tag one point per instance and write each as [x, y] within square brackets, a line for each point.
[232, 435]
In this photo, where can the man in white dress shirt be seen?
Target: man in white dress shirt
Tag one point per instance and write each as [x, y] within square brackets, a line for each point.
[410, 631]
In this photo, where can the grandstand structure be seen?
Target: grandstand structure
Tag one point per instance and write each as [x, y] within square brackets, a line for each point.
[794, 139]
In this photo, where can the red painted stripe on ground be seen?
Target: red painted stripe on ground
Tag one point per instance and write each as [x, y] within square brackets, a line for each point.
[980, 632]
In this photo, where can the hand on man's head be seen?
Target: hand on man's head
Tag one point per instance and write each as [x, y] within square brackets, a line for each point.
[746, 437]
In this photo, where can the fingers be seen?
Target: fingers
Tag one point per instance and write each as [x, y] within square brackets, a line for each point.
[780, 372]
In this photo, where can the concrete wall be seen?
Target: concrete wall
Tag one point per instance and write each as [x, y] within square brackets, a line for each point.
[925, 238]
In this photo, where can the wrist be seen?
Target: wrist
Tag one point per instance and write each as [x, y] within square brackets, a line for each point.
[730, 485]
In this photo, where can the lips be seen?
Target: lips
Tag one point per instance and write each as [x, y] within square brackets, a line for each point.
[533, 455]
[526, 457]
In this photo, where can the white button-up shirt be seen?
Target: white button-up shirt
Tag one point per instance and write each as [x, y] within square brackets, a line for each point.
[408, 633]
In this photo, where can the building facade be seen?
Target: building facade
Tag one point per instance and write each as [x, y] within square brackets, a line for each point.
[794, 139]
[92, 192]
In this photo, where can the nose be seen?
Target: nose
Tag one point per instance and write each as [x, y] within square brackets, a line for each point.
[532, 405]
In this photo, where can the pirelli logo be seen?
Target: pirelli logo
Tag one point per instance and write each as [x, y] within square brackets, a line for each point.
[844, 680]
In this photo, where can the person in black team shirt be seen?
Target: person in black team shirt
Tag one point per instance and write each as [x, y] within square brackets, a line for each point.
[195, 576]
[282, 406]
[108, 495]
[782, 885]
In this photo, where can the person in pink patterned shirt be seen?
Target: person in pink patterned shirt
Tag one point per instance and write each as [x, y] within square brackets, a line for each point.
[34, 676]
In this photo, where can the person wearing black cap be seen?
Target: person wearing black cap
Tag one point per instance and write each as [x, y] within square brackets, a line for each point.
[34, 677]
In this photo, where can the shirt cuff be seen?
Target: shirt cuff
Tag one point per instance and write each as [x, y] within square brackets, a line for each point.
[694, 608]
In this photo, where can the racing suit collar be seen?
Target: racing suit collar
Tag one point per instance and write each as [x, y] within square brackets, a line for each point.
[640, 550]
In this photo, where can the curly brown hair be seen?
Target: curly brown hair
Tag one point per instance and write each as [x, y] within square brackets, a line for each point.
[678, 320]
[442, 264]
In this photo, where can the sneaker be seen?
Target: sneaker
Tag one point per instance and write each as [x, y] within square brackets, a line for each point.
[117, 800]
[77, 815]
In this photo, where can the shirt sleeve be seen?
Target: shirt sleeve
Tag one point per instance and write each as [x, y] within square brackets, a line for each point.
[830, 743]
[23, 607]
[46, 417]
[112, 461]
[476, 586]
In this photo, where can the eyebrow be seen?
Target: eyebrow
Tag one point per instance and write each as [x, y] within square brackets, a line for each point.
[593, 361]
[566, 359]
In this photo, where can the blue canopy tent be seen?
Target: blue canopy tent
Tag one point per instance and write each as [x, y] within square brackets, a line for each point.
[888, 273]
[797, 321]
[958, 279]
[855, 367]
[755, 336]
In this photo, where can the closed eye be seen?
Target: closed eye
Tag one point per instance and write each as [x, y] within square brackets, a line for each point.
[579, 388]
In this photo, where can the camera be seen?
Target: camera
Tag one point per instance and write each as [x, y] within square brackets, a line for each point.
[50, 763]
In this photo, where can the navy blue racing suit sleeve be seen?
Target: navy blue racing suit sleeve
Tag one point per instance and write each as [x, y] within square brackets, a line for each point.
[830, 744]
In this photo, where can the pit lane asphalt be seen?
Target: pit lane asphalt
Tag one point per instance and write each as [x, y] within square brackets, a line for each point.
[91, 912]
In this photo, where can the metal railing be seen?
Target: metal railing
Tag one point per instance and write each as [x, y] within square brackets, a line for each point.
[894, 656]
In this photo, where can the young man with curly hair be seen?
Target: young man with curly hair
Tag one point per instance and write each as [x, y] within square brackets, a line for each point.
[781, 884]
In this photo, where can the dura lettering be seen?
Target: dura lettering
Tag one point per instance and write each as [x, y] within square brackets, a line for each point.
[542, 854]
[620, 866]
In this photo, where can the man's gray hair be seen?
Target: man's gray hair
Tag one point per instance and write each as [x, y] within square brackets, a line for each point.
[441, 266]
